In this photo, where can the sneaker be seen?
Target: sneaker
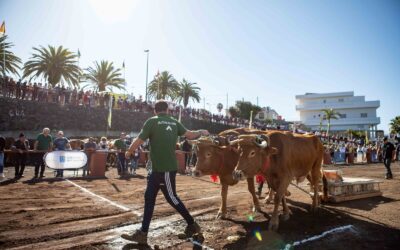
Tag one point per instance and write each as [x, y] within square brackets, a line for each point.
[138, 236]
[192, 229]
[2, 175]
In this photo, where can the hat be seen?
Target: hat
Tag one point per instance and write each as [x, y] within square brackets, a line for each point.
[21, 134]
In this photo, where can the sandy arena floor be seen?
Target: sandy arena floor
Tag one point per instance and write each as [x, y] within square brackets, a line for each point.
[58, 214]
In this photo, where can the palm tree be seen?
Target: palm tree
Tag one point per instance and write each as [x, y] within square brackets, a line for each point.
[104, 76]
[328, 115]
[163, 85]
[54, 64]
[11, 61]
[187, 90]
[395, 125]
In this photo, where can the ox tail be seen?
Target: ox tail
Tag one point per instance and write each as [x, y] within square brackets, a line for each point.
[324, 187]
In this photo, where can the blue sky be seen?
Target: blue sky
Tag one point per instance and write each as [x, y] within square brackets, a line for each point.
[270, 49]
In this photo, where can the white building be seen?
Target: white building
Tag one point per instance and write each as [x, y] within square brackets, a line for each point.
[267, 113]
[355, 113]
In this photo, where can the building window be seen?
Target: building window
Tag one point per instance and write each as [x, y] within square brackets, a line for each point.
[261, 115]
[342, 116]
[324, 101]
[341, 100]
[364, 115]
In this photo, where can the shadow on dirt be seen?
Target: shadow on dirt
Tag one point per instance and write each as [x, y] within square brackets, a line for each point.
[364, 204]
[367, 234]
[136, 246]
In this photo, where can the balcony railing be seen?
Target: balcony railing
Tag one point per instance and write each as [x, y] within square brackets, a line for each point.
[339, 105]
[345, 121]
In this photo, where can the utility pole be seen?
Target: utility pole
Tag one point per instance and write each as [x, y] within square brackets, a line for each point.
[204, 103]
[227, 107]
[147, 71]
[257, 100]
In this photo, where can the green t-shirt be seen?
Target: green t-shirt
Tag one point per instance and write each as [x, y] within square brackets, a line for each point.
[43, 142]
[120, 144]
[163, 132]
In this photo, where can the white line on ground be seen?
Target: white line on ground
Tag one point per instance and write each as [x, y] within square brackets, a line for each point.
[317, 237]
[104, 199]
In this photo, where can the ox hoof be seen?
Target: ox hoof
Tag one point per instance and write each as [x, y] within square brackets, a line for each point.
[273, 226]
[221, 216]
[256, 209]
[286, 216]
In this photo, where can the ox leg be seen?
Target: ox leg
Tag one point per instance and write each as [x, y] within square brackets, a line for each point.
[224, 194]
[252, 190]
[274, 222]
[315, 179]
[286, 210]
[270, 196]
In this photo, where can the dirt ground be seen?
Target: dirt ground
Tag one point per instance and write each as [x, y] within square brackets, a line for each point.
[56, 214]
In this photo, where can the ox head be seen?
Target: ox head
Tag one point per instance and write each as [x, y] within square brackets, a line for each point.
[254, 150]
[209, 153]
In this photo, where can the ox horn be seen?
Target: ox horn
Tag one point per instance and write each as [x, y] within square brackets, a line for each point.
[263, 138]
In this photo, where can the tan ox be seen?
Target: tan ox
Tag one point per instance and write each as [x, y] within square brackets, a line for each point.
[281, 157]
[213, 159]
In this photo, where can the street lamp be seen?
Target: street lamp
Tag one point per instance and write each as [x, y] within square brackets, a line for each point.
[147, 71]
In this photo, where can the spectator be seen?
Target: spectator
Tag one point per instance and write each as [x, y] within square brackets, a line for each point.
[43, 144]
[22, 147]
[103, 144]
[89, 148]
[388, 149]
[2, 146]
[61, 143]
[120, 146]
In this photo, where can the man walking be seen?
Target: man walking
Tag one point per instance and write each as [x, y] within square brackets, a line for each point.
[387, 150]
[162, 131]
[43, 143]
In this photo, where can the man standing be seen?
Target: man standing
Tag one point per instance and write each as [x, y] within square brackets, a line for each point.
[162, 131]
[61, 143]
[2, 146]
[89, 148]
[387, 150]
[22, 147]
[43, 143]
[120, 146]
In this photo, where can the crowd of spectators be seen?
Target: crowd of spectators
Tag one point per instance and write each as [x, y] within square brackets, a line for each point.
[62, 95]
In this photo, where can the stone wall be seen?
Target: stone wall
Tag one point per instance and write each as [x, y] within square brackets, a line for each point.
[31, 117]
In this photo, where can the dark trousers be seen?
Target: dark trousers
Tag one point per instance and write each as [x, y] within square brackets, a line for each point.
[121, 163]
[260, 187]
[39, 163]
[20, 160]
[387, 162]
[166, 182]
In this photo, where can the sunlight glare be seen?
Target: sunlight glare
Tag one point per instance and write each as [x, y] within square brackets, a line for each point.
[113, 10]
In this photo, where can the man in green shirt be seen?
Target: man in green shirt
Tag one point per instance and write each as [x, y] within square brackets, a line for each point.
[43, 143]
[162, 130]
[120, 145]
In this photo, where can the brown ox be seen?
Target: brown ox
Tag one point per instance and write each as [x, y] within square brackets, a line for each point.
[213, 159]
[280, 158]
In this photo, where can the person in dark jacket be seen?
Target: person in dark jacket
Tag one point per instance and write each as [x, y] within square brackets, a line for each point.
[387, 150]
[2, 146]
[21, 146]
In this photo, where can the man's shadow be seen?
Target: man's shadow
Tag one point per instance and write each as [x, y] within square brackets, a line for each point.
[136, 246]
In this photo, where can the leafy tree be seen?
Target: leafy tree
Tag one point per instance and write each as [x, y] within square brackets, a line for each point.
[186, 91]
[163, 85]
[243, 109]
[55, 64]
[104, 76]
[395, 125]
[12, 61]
